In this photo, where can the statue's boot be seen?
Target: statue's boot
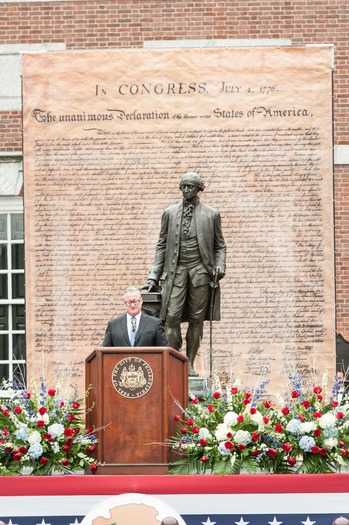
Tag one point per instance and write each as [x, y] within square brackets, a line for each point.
[193, 338]
[174, 336]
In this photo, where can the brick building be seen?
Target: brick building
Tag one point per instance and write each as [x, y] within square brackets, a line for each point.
[100, 24]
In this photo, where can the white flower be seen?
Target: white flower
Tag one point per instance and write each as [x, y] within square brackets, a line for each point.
[55, 447]
[305, 428]
[257, 418]
[221, 432]
[330, 442]
[327, 420]
[293, 426]
[231, 419]
[44, 417]
[204, 433]
[56, 430]
[242, 437]
[34, 437]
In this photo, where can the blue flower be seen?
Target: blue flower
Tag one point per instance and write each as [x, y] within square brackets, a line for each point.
[22, 432]
[35, 450]
[293, 426]
[306, 443]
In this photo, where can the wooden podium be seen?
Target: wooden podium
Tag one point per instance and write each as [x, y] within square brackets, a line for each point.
[135, 393]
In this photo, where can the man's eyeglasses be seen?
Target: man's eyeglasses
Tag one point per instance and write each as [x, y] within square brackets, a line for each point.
[134, 301]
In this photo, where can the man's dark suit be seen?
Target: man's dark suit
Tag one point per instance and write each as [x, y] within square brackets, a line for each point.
[150, 332]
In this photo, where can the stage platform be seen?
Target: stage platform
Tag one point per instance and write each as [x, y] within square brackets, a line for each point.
[200, 500]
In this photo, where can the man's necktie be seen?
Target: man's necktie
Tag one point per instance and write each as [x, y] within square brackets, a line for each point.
[133, 330]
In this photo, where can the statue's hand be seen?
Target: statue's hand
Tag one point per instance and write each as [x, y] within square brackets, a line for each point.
[152, 285]
[218, 273]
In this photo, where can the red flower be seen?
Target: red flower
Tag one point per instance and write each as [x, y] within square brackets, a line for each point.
[229, 435]
[76, 430]
[255, 436]
[69, 441]
[210, 408]
[246, 401]
[28, 395]
[317, 415]
[267, 404]
[91, 448]
[184, 430]
[234, 390]
[285, 411]
[8, 448]
[306, 403]
[43, 461]
[93, 467]
[41, 423]
[89, 430]
[5, 432]
[317, 432]
[66, 448]
[341, 443]
[52, 392]
[42, 410]
[68, 432]
[335, 404]
[204, 459]
[216, 395]
[241, 447]
[295, 394]
[253, 410]
[18, 410]
[247, 395]
[229, 445]
[16, 456]
[286, 447]
[255, 453]
[291, 461]
[203, 442]
[339, 415]
[22, 450]
[301, 417]
[76, 404]
[65, 462]
[315, 449]
[345, 452]
[6, 412]
[195, 400]
[71, 417]
[317, 390]
[265, 420]
[271, 452]
[323, 451]
[195, 430]
[319, 398]
[62, 404]
[278, 428]
[176, 417]
[240, 418]
[190, 422]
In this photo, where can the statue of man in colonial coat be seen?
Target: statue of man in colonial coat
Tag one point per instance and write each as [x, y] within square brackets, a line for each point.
[189, 260]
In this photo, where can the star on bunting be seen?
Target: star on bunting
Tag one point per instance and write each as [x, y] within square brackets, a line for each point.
[242, 522]
[208, 522]
[308, 522]
[275, 522]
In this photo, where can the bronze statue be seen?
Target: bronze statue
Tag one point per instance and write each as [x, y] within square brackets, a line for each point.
[189, 260]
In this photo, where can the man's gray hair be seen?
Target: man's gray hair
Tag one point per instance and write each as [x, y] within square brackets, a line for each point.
[132, 289]
[196, 177]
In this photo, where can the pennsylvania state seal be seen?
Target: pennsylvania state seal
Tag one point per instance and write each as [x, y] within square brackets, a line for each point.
[132, 377]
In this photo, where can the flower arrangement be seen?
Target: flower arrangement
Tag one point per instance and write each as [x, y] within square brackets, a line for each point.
[238, 429]
[43, 431]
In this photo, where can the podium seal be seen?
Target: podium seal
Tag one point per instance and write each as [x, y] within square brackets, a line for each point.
[132, 377]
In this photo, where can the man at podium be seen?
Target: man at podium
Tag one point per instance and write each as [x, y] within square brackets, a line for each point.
[134, 328]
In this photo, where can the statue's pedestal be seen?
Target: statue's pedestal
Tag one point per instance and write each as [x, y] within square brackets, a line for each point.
[197, 385]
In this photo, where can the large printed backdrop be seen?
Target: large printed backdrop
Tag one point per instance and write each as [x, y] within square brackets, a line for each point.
[107, 136]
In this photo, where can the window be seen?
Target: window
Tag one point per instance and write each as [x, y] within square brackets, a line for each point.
[12, 308]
